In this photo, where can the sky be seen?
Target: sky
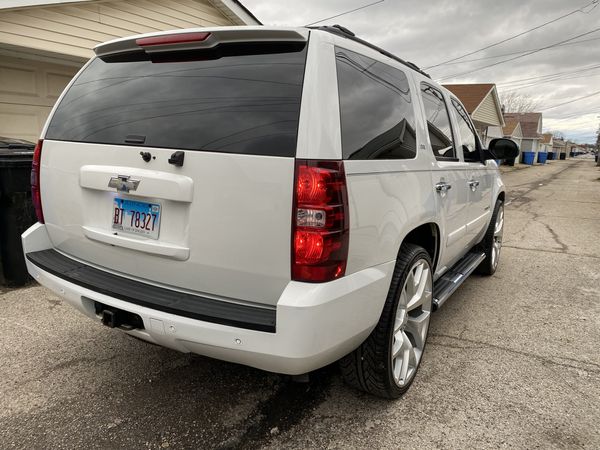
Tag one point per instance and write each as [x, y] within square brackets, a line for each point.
[434, 31]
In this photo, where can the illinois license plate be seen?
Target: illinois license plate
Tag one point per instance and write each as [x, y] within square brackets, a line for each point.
[141, 218]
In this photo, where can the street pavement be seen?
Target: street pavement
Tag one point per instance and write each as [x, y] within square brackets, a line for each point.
[512, 360]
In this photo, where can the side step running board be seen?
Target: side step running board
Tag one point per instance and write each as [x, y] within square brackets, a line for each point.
[445, 286]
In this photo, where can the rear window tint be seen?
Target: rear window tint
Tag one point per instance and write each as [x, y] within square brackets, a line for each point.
[236, 99]
[377, 113]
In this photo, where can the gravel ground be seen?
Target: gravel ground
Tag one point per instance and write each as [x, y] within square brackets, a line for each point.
[512, 360]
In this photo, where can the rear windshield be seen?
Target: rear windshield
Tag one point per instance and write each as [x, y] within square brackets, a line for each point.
[236, 99]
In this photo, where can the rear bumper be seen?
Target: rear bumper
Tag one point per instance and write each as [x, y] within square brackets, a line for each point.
[316, 324]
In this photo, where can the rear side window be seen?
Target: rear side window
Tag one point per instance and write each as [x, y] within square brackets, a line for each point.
[235, 99]
[438, 123]
[377, 114]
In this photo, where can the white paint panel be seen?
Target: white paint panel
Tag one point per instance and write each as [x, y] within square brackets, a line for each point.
[28, 90]
[17, 81]
[55, 83]
[13, 123]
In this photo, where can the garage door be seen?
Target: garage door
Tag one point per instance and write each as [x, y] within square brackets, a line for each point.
[28, 90]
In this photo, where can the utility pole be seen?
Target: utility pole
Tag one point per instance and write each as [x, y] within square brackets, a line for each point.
[598, 144]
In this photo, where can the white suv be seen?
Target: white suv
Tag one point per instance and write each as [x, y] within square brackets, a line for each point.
[276, 197]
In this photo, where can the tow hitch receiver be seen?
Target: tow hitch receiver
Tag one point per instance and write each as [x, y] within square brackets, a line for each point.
[117, 318]
[109, 318]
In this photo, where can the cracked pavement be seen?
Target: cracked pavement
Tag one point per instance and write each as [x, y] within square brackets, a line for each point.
[512, 360]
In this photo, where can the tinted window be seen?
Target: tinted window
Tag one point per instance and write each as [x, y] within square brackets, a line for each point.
[438, 122]
[376, 110]
[467, 133]
[237, 99]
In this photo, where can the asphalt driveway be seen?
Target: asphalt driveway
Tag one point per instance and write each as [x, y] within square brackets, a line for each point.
[512, 360]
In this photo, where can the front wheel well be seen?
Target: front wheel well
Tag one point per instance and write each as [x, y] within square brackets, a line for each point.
[501, 196]
[428, 237]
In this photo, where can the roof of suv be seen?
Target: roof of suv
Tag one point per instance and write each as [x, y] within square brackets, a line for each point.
[248, 32]
[346, 33]
[213, 35]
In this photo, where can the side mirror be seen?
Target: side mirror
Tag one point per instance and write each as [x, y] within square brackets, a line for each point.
[502, 149]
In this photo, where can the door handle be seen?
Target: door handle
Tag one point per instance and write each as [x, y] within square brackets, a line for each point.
[473, 184]
[443, 187]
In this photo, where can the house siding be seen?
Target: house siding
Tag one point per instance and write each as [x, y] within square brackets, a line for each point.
[28, 90]
[530, 145]
[493, 133]
[486, 112]
[74, 29]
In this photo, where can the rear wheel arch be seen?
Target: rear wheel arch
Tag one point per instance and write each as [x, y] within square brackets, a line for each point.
[427, 236]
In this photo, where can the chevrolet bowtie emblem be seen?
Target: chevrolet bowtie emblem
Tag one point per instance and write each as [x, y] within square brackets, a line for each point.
[123, 183]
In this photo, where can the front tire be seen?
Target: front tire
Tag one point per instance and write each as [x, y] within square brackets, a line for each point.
[385, 364]
[492, 242]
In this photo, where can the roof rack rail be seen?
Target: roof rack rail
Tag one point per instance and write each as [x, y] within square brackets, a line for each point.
[346, 33]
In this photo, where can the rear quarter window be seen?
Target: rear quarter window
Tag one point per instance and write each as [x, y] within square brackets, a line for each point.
[235, 99]
[376, 109]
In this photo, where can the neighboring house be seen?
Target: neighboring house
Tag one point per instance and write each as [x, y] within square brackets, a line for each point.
[483, 105]
[546, 143]
[570, 147]
[44, 43]
[559, 146]
[531, 127]
[512, 130]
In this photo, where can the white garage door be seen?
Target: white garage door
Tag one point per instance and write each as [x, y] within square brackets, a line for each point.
[28, 90]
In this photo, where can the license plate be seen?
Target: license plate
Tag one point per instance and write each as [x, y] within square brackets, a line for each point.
[140, 218]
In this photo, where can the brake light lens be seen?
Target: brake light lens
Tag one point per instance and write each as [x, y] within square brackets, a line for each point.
[320, 221]
[36, 194]
[168, 39]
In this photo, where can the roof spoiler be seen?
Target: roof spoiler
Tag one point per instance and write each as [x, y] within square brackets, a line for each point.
[198, 38]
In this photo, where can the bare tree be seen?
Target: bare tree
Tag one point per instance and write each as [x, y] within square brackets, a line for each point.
[558, 135]
[515, 102]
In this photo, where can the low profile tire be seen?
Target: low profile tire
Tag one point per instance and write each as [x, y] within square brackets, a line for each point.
[492, 242]
[386, 363]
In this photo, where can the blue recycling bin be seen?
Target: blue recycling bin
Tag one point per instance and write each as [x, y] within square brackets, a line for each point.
[528, 158]
[542, 157]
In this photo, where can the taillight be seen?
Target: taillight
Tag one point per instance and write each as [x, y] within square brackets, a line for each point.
[169, 39]
[320, 221]
[36, 194]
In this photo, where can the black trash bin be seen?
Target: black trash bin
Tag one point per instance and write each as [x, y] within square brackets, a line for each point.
[16, 210]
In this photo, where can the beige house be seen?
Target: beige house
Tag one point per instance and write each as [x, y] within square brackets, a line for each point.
[512, 130]
[559, 146]
[483, 105]
[531, 127]
[546, 143]
[44, 43]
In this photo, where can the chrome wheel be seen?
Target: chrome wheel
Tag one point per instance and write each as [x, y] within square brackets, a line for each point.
[497, 240]
[411, 322]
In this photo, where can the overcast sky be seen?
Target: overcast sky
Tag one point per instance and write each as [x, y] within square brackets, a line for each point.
[430, 32]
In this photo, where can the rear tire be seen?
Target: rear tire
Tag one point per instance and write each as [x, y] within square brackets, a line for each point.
[385, 364]
[492, 242]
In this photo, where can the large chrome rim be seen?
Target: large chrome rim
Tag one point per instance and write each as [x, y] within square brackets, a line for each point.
[411, 323]
[498, 232]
